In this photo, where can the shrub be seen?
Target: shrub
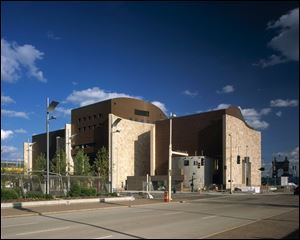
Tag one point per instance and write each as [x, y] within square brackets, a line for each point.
[77, 191]
[38, 195]
[9, 194]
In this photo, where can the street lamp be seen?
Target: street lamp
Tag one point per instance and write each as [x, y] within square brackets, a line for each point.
[114, 124]
[170, 158]
[230, 162]
[50, 108]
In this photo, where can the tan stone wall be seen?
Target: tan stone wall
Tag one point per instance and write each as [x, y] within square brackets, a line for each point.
[131, 150]
[245, 142]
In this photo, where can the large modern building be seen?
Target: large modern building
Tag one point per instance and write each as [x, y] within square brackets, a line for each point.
[136, 134]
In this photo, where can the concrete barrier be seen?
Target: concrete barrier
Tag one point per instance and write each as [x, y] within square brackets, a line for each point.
[64, 202]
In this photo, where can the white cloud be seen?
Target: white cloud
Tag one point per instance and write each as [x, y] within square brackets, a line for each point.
[9, 113]
[161, 106]
[222, 106]
[51, 35]
[226, 89]
[93, 95]
[287, 40]
[279, 114]
[20, 130]
[6, 99]
[14, 58]
[5, 134]
[189, 93]
[74, 83]
[10, 153]
[64, 110]
[284, 103]
[253, 117]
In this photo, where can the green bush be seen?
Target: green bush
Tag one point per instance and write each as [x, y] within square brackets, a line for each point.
[9, 194]
[38, 195]
[77, 191]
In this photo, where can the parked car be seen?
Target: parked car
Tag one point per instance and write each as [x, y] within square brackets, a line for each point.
[296, 191]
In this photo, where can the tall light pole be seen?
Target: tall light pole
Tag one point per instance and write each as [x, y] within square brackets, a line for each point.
[230, 162]
[170, 159]
[114, 124]
[50, 108]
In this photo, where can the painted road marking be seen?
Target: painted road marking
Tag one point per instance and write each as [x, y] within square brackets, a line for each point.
[209, 217]
[21, 224]
[171, 213]
[40, 231]
[103, 237]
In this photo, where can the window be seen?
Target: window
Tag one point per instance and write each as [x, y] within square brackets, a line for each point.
[95, 116]
[89, 117]
[141, 112]
[238, 160]
[84, 118]
[89, 127]
[186, 163]
[84, 129]
[202, 161]
[99, 115]
[79, 120]
[78, 129]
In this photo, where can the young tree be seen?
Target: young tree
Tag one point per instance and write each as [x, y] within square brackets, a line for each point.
[40, 163]
[59, 163]
[81, 164]
[101, 164]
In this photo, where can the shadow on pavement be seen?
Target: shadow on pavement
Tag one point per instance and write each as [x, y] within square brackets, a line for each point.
[292, 235]
[67, 220]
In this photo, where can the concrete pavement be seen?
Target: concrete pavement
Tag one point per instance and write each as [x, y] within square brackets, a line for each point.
[224, 216]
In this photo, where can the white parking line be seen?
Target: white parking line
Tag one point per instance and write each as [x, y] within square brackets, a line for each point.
[40, 231]
[171, 213]
[21, 224]
[208, 217]
[103, 237]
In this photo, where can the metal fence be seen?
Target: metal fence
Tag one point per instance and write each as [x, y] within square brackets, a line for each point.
[58, 185]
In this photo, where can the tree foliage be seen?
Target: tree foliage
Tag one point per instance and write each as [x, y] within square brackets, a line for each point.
[101, 164]
[81, 164]
[59, 163]
[40, 163]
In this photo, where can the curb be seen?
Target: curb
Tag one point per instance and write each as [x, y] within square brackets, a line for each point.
[64, 202]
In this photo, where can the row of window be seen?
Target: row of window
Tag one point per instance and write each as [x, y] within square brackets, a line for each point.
[92, 127]
[95, 116]
[187, 163]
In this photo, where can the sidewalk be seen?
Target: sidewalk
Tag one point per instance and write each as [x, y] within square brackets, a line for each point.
[38, 210]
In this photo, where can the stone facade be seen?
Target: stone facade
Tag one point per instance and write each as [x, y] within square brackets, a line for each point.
[245, 142]
[131, 150]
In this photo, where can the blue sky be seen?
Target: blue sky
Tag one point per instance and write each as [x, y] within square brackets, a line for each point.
[187, 57]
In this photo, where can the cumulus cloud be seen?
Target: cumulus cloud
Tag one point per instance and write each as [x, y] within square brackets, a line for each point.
[287, 40]
[10, 153]
[189, 93]
[20, 130]
[253, 117]
[279, 114]
[9, 113]
[15, 58]
[6, 100]
[5, 134]
[284, 103]
[63, 110]
[226, 89]
[161, 106]
[222, 106]
[93, 95]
